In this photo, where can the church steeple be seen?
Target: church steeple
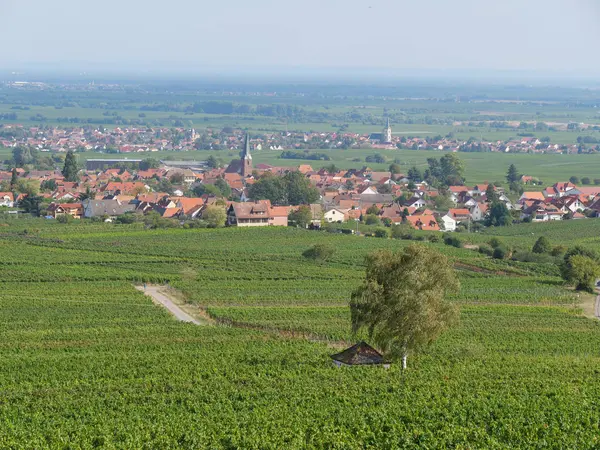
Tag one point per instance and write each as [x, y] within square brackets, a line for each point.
[247, 154]
[247, 158]
[386, 135]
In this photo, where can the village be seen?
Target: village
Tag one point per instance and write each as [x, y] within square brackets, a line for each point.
[94, 138]
[191, 191]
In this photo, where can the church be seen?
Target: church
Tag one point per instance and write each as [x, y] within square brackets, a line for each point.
[385, 137]
[242, 166]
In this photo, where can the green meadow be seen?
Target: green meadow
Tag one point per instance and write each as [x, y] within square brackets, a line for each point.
[479, 167]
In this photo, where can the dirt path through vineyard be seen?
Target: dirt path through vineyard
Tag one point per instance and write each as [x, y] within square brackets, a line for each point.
[161, 296]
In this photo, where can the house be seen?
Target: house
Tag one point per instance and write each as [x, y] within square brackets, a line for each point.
[560, 190]
[478, 190]
[305, 168]
[529, 195]
[74, 210]
[335, 215]
[189, 206]
[187, 175]
[526, 179]
[415, 202]
[110, 208]
[479, 211]
[504, 199]
[448, 222]
[129, 188]
[251, 214]
[542, 212]
[360, 354]
[455, 216]
[595, 206]
[278, 216]
[7, 199]
[371, 190]
[425, 222]
[567, 204]
[393, 212]
[469, 202]
[373, 199]
[460, 214]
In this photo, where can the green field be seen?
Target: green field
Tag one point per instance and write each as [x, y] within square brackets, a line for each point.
[88, 361]
[479, 167]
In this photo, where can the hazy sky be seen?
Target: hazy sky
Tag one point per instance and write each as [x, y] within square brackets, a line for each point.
[560, 35]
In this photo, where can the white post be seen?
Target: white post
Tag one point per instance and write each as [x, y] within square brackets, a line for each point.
[404, 357]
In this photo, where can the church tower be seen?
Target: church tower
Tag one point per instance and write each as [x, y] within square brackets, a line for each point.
[386, 135]
[247, 159]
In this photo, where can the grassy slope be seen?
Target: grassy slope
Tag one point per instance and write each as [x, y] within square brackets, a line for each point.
[96, 364]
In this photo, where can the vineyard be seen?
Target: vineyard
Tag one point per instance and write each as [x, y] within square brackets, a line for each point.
[88, 361]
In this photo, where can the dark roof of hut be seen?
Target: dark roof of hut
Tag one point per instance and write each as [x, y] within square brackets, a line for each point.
[359, 354]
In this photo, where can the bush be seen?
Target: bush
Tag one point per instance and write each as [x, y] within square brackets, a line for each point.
[381, 233]
[454, 241]
[585, 180]
[402, 232]
[542, 245]
[500, 252]
[126, 218]
[485, 249]
[495, 242]
[319, 252]
[582, 271]
[596, 181]
[434, 238]
[559, 250]
[64, 218]
[579, 266]
[372, 219]
[532, 257]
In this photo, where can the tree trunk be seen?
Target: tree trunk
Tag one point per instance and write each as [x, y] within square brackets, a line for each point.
[404, 358]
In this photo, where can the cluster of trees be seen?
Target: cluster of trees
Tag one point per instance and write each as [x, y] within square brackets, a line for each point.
[588, 140]
[377, 158]
[226, 108]
[290, 189]
[447, 171]
[302, 217]
[220, 189]
[584, 180]
[579, 266]
[288, 154]
[29, 157]
[149, 163]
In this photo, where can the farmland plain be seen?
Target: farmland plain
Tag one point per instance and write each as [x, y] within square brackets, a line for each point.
[479, 167]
